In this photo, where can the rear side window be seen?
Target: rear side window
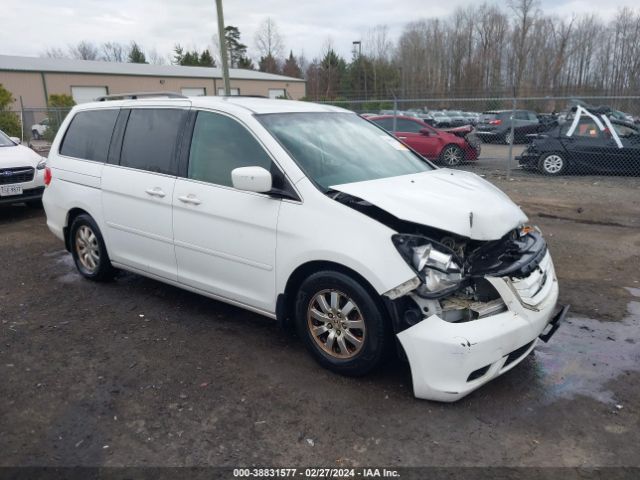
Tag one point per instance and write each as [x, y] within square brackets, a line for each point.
[386, 123]
[89, 135]
[404, 125]
[151, 139]
[219, 145]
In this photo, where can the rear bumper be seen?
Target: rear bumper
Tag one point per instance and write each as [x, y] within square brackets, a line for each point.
[450, 360]
[27, 195]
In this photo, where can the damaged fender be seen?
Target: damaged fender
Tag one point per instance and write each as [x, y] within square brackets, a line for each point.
[449, 360]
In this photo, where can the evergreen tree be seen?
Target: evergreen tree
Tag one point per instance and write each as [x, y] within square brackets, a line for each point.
[206, 60]
[268, 64]
[136, 55]
[246, 63]
[291, 67]
[235, 49]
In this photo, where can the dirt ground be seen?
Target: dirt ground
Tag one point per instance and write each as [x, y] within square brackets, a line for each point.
[135, 372]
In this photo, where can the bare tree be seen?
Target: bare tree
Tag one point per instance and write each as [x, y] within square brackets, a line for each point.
[54, 52]
[154, 58]
[84, 50]
[268, 39]
[114, 52]
[525, 12]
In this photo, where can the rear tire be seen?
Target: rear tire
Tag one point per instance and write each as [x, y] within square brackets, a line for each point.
[340, 323]
[35, 135]
[88, 249]
[552, 164]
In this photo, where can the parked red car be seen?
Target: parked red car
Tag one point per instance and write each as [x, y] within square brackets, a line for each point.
[437, 145]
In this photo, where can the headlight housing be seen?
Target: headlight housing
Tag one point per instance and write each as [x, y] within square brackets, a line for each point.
[41, 164]
[437, 266]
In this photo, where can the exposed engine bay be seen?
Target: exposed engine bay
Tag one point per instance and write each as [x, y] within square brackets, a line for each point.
[451, 269]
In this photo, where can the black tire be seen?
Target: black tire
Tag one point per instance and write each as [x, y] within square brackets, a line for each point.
[552, 164]
[103, 270]
[375, 339]
[451, 156]
[35, 204]
[35, 135]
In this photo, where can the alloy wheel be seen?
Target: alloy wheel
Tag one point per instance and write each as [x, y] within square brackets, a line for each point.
[336, 324]
[553, 164]
[88, 249]
[452, 156]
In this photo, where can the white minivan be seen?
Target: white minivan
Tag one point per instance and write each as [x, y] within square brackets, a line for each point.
[313, 216]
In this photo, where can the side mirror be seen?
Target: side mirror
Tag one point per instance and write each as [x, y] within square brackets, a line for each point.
[426, 131]
[15, 140]
[251, 179]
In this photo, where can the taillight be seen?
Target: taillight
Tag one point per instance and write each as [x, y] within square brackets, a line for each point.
[47, 176]
[495, 122]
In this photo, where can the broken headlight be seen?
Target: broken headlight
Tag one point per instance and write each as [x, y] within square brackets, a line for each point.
[437, 266]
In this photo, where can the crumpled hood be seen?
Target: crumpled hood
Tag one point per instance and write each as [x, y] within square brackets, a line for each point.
[18, 156]
[451, 200]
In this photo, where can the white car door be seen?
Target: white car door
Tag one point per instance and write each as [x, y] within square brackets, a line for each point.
[138, 189]
[225, 239]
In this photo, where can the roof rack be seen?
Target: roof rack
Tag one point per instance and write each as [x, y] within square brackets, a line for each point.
[243, 96]
[137, 95]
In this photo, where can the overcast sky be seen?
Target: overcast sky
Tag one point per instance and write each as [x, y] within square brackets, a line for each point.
[31, 26]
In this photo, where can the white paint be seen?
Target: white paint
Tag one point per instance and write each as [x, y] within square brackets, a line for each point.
[443, 199]
[442, 355]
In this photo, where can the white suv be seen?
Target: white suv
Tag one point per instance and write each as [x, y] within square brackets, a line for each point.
[21, 173]
[313, 216]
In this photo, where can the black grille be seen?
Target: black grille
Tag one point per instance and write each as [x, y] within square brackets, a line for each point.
[516, 354]
[478, 373]
[16, 175]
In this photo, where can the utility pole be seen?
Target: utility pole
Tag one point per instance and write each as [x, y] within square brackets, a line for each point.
[362, 64]
[223, 49]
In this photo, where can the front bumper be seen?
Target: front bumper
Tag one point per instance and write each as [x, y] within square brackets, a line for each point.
[450, 360]
[528, 159]
[28, 194]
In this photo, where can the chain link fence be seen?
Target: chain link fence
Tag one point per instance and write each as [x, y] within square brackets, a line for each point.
[551, 136]
[36, 127]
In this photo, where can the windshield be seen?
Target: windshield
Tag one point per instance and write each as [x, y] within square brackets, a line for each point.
[337, 148]
[5, 141]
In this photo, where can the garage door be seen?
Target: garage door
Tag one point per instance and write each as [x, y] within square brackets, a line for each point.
[87, 94]
[194, 91]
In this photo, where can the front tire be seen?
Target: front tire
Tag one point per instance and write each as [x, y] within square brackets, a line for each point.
[35, 135]
[88, 249]
[552, 164]
[340, 323]
[451, 156]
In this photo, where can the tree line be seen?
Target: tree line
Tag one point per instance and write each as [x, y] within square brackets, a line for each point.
[268, 43]
[484, 50]
[488, 50]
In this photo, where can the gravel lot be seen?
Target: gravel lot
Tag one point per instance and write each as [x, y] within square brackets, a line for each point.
[135, 372]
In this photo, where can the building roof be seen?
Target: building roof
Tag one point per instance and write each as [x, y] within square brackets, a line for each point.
[66, 65]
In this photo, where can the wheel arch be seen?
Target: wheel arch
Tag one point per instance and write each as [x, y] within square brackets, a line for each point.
[71, 216]
[285, 303]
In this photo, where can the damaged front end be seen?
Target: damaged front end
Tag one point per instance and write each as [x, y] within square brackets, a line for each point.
[477, 311]
[475, 308]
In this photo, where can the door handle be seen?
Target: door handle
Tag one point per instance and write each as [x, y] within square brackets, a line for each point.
[192, 199]
[156, 192]
[402, 138]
